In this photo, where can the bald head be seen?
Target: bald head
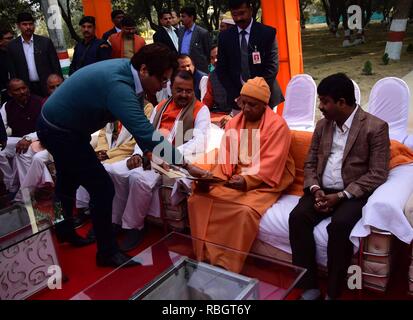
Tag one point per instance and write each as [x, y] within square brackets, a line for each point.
[53, 81]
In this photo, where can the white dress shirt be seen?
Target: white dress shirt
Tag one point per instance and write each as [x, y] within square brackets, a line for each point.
[332, 178]
[172, 34]
[28, 48]
[247, 35]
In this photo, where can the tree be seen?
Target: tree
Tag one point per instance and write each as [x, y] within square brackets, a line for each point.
[9, 10]
[398, 28]
[208, 11]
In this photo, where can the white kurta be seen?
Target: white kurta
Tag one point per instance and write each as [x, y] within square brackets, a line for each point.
[143, 187]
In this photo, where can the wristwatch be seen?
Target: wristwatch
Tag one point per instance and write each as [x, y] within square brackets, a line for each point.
[27, 138]
[342, 195]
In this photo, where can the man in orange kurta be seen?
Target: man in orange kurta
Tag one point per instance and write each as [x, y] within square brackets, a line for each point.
[126, 43]
[255, 163]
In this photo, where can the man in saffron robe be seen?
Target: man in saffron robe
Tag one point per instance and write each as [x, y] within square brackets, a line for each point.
[229, 214]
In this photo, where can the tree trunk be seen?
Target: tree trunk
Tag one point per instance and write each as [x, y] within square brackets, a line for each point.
[68, 20]
[398, 29]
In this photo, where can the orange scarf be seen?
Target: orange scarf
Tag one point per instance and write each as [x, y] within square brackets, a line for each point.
[399, 154]
[274, 143]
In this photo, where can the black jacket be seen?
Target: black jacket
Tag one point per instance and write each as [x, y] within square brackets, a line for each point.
[162, 36]
[108, 33]
[96, 50]
[45, 57]
[199, 48]
[262, 39]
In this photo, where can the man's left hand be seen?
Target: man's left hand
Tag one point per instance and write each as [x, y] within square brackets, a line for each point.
[237, 182]
[330, 200]
[22, 146]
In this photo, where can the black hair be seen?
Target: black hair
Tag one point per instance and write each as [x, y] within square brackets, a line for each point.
[338, 86]
[128, 21]
[88, 19]
[164, 11]
[183, 74]
[24, 16]
[190, 11]
[157, 57]
[4, 31]
[235, 4]
[184, 56]
[14, 80]
[116, 13]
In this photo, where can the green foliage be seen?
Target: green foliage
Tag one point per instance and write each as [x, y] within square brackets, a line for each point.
[368, 68]
[385, 58]
[9, 10]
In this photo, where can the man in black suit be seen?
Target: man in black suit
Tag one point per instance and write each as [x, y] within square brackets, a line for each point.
[194, 40]
[32, 58]
[249, 50]
[6, 35]
[117, 16]
[166, 33]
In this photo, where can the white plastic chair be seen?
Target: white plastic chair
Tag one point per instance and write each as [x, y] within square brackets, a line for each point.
[300, 103]
[389, 101]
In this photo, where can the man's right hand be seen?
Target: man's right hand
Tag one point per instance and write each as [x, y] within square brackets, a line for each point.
[319, 204]
[134, 162]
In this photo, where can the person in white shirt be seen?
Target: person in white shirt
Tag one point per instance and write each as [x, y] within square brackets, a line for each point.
[31, 165]
[166, 33]
[348, 159]
[185, 122]
[117, 16]
[32, 58]
[19, 117]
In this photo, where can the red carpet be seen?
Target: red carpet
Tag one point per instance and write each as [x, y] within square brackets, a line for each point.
[78, 265]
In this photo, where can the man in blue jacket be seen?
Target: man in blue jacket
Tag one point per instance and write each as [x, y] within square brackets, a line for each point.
[93, 96]
[90, 49]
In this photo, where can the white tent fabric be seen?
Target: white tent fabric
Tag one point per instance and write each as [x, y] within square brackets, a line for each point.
[300, 103]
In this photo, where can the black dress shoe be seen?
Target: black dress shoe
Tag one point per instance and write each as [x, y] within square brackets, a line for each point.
[74, 239]
[131, 240]
[116, 260]
[82, 217]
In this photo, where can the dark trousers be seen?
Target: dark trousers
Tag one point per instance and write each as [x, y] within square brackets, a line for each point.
[302, 221]
[76, 164]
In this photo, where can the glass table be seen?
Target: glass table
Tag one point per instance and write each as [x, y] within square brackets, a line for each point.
[26, 245]
[170, 270]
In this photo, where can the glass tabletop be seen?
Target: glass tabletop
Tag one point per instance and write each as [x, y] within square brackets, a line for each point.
[32, 211]
[171, 270]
